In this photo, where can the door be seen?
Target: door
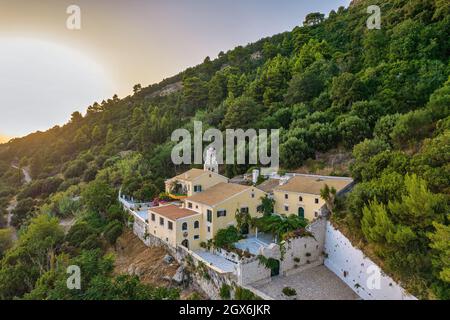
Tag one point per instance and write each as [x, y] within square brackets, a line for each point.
[301, 212]
[274, 267]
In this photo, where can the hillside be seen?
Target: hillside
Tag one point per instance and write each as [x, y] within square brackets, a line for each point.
[379, 97]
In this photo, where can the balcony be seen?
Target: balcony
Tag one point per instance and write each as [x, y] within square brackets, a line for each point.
[177, 190]
[177, 196]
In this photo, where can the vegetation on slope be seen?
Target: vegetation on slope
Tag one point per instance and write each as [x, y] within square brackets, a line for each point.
[384, 94]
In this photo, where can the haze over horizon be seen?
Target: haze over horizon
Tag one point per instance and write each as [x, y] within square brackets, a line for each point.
[47, 71]
[4, 139]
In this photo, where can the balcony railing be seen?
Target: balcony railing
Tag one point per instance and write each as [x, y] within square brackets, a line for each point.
[177, 196]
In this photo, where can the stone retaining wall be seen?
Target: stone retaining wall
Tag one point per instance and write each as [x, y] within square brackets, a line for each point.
[206, 277]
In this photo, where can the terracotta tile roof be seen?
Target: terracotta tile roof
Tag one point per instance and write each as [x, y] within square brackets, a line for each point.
[190, 175]
[173, 212]
[218, 193]
[269, 185]
[313, 184]
[193, 174]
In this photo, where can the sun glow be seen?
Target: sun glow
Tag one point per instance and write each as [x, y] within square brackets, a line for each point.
[42, 83]
[4, 139]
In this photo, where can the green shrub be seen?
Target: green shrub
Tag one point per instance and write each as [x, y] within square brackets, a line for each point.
[288, 291]
[195, 296]
[91, 242]
[5, 240]
[225, 238]
[269, 263]
[225, 292]
[245, 294]
[75, 170]
[80, 232]
[113, 231]
[115, 212]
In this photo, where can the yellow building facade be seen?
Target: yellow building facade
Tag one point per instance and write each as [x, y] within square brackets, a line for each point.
[199, 217]
[176, 226]
[192, 181]
[219, 204]
[300, 195]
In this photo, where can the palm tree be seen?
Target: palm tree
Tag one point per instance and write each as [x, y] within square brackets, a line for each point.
[280, 225]
[329, 195]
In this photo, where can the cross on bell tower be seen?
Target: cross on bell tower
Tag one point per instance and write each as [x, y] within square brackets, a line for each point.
[211, 161]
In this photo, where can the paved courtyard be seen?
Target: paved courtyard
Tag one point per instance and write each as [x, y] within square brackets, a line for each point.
[317, 283]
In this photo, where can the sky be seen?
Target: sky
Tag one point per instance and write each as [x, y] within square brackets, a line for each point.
[48, 71]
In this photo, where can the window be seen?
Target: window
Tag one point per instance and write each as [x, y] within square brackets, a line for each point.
[190, 205]
[253, 195]
[209, 229]
[184, 226]
[244, 210]
[198, 188]
[316, 214]
[286, 196]
[286, 208]
[196, 237]
[209, 215]
[161, 221]
[300, 198]
[169, 225]
[317, 200]
[153, 217]
[196, 225]
[221, 213]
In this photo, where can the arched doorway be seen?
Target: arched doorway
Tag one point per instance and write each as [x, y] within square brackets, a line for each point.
[301, 212]
[185, 243]
[274, 267]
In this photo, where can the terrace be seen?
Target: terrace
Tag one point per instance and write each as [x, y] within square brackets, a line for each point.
[217, 261]
[253, 244]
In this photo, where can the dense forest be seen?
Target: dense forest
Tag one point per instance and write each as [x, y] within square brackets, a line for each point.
[382, 95]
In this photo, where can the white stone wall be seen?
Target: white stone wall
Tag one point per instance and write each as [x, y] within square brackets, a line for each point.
[252, 271]
[359, 272]
[309, 250]
[300, 253]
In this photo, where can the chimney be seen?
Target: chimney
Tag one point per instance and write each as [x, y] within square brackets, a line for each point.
[255, 176]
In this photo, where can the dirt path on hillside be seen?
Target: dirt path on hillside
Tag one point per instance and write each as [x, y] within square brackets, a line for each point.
[26, 173]
[12, 205]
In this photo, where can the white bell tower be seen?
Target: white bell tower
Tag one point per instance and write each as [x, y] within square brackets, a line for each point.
[211, 161]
